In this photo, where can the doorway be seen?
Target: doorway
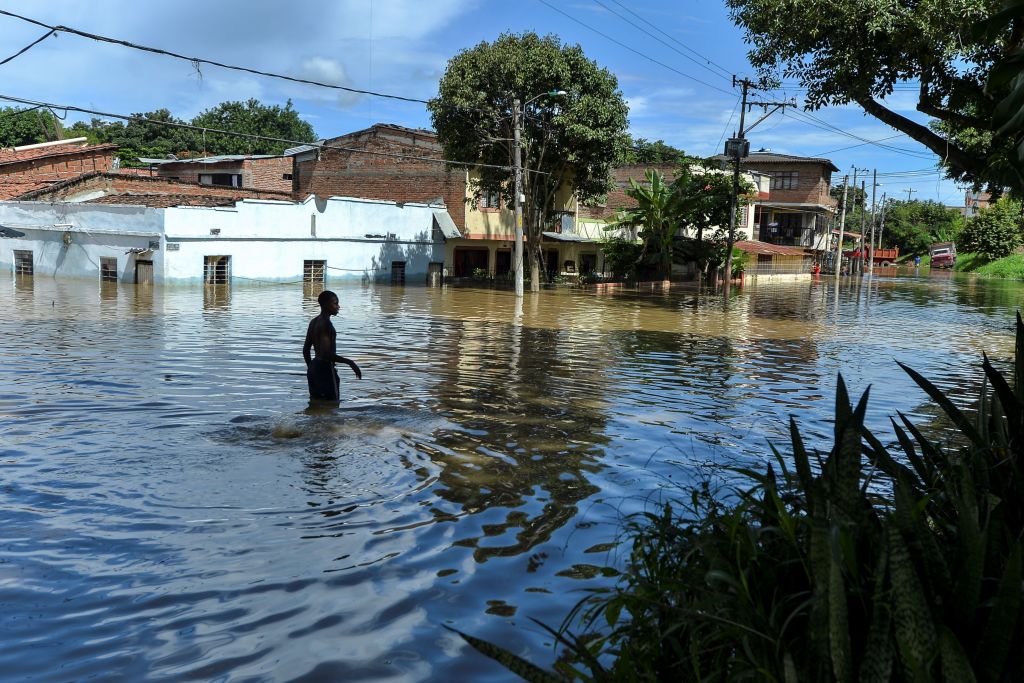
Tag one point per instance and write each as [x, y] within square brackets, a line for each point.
[143, 272]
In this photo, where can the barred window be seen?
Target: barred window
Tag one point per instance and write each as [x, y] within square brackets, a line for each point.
[108, 269]
[216, 270]
[490, 199]
[313, 271]
[398, 272]
[22, 262]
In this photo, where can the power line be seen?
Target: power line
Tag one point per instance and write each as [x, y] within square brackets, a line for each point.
[251, 136]
[824, 125]
[196, 61]
[29, 46]
[633, 50]
[859, 144]
[646, 32]
[727, 124]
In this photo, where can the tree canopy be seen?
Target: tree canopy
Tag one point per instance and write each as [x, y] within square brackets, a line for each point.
[643, 151]
[860, 51]
[569, 141]
[27, 126]
[141, 139]
[914, 225]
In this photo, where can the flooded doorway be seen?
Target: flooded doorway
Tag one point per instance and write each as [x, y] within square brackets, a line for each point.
[143, 272]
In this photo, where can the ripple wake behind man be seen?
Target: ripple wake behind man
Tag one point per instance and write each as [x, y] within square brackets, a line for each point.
[324, 383]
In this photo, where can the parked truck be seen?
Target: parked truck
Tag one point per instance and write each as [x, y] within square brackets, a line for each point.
[943, 254]
[883, 257]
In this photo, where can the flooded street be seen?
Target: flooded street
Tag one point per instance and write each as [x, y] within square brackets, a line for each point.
[173, 508]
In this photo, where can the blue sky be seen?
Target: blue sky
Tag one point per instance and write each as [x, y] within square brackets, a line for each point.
[402, 46]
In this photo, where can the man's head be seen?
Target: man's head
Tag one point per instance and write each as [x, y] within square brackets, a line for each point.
[328, 301]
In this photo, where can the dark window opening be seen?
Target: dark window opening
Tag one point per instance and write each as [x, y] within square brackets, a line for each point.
[490, 199]
[398, 272]
[465, 261]
[313, 271]
[286, 176]
[503, 262]
[222, 179]
[108, 269]
[588, 263]
[216, 270]
[22, 262]
[785, 180]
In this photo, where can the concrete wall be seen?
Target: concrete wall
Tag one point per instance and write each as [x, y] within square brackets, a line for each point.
[268, 241]
[92, 232]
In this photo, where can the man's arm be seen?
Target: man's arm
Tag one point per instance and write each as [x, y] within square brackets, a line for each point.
[350, 363]
[308, 344]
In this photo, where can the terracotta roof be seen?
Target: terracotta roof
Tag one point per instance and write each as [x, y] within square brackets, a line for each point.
[140, 180]
[766, 248]
[15, 186]
[773, 158]
[163, 201]
[17, 156]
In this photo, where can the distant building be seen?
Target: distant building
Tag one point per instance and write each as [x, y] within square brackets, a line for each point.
[799, 207]
[251, 171]
[975, 202]
[33, 167]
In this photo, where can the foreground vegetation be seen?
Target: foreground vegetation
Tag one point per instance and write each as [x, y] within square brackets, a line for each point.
[1008, 267]
[857, 564]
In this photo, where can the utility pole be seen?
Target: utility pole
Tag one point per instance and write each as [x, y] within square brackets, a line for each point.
[909, 192]
[871, 248]
[740, 146]
[881, 222]
[842, 225]
[734, 197]
[517, 163]
[863, 217]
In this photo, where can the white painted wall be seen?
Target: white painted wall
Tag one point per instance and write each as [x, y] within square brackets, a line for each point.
[94, 231]
[269, 240]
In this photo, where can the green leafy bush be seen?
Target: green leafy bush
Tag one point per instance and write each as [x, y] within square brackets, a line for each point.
[861, 563]
[621, 258]
[995, 232]
[1010, 268]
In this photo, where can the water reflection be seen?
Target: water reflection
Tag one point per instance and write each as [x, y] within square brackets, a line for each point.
[175, 507]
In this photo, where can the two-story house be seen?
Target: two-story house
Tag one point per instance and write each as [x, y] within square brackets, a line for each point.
[799, 208]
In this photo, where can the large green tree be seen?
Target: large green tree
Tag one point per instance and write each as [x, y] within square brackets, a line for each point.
[28, 126]
[570, 141]
[914, 225]
[656, 216]
[859, 51]
[253, 118]
[152, 138]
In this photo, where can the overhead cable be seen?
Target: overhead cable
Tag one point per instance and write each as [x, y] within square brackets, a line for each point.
[29, 46]
[198, 60]
[634, 50]
[699, 63]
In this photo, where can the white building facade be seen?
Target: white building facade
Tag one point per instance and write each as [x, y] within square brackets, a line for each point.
[252, 241]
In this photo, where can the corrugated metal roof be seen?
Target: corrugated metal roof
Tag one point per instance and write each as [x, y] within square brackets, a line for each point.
[774, 158]
[568, 237]
[444, 223]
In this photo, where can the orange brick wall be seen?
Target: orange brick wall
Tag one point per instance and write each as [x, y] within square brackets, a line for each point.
[257, 174]
[617, 199]
[812, 183]
[120, 184]
[351, 174]
[23, 176]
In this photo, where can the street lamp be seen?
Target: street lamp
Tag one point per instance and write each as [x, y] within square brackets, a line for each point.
[518, 113]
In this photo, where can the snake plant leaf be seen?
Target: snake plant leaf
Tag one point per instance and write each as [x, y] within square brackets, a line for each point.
[916, 639]
[1004, 618]
[838, 623]
[876, 662]
[1012, 407]
[800, 460]
[924, 472]
[514, 663]
[959, 419]
[956, 667]
[879, 456]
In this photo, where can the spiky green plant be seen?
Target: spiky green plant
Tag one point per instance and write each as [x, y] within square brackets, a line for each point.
[859, 564]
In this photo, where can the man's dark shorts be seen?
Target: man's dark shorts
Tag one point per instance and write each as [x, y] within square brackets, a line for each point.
[323, 380]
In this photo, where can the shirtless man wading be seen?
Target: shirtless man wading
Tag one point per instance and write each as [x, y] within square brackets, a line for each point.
[324, 383]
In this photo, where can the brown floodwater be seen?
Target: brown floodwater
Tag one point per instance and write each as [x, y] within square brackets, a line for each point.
[171, 506]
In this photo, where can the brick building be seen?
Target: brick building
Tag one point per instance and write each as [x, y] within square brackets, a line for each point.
[33, 167]
[258, 172]
[799, 207]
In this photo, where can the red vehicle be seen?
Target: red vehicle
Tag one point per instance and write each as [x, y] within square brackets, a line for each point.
[943, 254]
[883, 257]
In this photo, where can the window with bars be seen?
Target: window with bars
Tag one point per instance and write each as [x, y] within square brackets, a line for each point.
[785, 180]
[490, 199]
[398, 272]
[108, 269]
[216, 270]
[313, 271]
[22, 262]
